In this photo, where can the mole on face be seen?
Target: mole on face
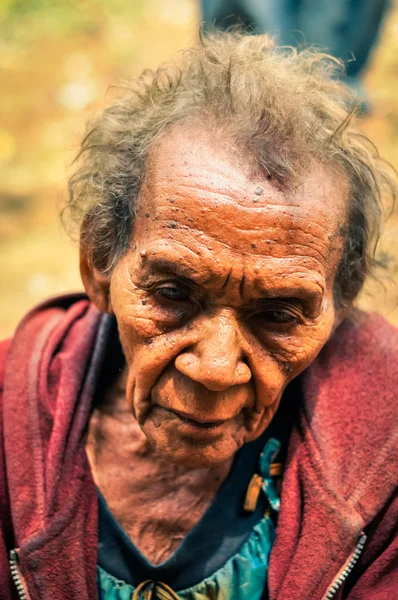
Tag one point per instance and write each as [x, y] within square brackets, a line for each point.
[238, 296]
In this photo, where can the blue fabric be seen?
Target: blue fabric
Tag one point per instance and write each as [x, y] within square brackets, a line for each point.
[345, 28]
[244, 575]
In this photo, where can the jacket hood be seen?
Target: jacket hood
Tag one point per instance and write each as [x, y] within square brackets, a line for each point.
[343, 462]
[339, 471]
[49, 383]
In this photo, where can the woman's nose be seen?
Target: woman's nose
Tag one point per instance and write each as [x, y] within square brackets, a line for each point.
[216, 359]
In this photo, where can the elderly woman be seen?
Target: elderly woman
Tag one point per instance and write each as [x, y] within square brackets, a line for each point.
[214, 420]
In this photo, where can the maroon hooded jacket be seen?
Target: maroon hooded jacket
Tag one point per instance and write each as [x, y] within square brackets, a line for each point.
[339, 482]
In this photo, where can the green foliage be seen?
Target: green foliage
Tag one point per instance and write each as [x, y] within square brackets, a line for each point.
[27, 20]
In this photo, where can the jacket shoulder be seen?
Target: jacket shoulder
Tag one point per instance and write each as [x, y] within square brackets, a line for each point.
[372, 329]
[361, 356]
[350, 405]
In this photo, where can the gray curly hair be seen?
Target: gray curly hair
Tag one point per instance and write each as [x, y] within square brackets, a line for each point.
[285, 107]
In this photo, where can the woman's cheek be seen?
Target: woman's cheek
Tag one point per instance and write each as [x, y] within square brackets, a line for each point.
[143, 321]
[296, 350]
[260, 421]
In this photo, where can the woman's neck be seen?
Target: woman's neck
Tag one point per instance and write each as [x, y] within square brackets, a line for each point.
[131, 476]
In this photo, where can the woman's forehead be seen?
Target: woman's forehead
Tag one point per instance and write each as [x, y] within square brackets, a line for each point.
[191, 163]
[197, 191]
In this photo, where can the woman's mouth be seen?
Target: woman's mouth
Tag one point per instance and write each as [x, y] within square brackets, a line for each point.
[196, 422]
[188, 423]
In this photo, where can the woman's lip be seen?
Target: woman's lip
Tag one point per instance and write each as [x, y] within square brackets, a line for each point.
[196, 420]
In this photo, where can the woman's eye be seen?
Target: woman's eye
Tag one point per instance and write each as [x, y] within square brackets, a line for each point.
[278, 316]
[173, 293]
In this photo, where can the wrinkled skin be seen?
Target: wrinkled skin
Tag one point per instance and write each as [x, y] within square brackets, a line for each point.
[225, 296]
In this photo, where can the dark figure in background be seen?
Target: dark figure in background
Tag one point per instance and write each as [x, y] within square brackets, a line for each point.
[347, 29]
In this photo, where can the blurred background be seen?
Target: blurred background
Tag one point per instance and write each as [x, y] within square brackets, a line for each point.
[57, 60]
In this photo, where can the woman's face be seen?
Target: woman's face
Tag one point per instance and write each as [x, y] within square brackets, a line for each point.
[225, 296]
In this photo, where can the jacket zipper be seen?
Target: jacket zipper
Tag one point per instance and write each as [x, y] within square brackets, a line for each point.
[16, 575]
[346, 570]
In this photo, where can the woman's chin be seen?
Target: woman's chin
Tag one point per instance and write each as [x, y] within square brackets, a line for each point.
[191, 451]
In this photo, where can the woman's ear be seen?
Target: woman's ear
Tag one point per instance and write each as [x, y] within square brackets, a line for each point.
[96, 283]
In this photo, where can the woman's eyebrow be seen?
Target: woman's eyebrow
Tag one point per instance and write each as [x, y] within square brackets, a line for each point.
[163, 266]
[283, 292]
